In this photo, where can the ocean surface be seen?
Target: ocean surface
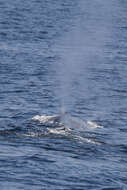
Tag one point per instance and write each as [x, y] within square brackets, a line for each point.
[63, 95]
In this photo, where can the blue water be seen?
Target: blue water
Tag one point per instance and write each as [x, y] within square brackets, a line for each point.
[63, 55]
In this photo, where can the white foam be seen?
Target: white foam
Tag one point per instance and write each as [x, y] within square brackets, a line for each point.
[94, 125]
[56, 131]
[44, 119]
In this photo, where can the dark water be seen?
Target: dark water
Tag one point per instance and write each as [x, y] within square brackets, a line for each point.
[71, 53]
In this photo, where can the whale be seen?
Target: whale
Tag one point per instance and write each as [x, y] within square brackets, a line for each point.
[62, 120]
